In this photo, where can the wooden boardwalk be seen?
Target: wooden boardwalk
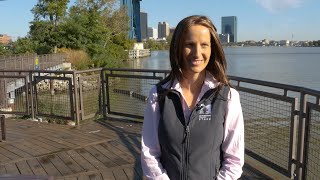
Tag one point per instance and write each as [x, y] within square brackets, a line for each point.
[108, 150]
[96, 150]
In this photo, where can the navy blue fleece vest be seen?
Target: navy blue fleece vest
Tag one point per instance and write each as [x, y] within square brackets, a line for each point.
[192, 151]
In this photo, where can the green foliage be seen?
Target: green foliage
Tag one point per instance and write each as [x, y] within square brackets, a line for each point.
[23, 46]
[156, 45]
[97, 27]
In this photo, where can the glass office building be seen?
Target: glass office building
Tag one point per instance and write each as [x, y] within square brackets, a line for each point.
[229, 26]
[133, 10]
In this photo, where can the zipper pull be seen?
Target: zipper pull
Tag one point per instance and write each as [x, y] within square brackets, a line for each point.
[186, 133]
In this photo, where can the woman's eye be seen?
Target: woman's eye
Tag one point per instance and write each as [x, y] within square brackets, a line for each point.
[204, 45]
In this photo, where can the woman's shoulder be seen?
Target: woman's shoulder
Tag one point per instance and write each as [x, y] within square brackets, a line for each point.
[233, 94]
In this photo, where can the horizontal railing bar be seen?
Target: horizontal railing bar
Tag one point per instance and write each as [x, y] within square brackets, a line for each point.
[134, 76]
[276, 85]
[137, 70]
[266, 94]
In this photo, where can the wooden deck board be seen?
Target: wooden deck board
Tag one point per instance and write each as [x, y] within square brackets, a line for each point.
[107, 175]
[12, 169]
[48, 166]
[106, 150]
[81, 161]
[72, 164]
[36, 167]
[24, 168]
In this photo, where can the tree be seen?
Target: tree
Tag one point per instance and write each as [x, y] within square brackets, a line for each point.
[53, 10]
[23, 46]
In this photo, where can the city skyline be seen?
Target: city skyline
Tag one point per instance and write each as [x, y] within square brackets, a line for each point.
[257, 19]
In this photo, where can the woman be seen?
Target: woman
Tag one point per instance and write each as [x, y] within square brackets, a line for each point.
[193, 124]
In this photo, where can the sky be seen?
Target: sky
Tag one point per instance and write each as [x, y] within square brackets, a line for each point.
[257, 19]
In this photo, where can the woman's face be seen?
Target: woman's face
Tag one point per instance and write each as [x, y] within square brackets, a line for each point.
[196, 50]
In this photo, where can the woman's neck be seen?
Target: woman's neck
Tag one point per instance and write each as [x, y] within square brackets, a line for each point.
[193, 82]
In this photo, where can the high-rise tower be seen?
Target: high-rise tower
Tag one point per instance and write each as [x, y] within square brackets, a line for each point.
[229, 26]
[133, 11]
[144, 25]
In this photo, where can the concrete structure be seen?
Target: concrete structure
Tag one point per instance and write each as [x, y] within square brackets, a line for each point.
[133, 10]
[144, 25]
[138, 51]
[163, 30]
[152, 33]
[224, 38]
[229, 26]
[5, 39]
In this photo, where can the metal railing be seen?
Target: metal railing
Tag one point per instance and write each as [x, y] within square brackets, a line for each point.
[30, 61]
[282, 122]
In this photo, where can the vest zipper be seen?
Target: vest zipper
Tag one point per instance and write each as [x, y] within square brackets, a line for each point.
[185, 158]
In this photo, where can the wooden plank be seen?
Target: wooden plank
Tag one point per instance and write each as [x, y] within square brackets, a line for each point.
[48, 166]
[96, 176]
[60, 165]
[125, 146]
[12, 169]
[81, 161]
[107, 175]
[36, 149]
[60, 141]
[4, 158]
[83, 177]
[72, 164]
[94, 161]
[119, 174]
[98, 155]
[126, 156]
[115, 158]
[8, 154]
[131, 173]
[45, 146]
[24, 168]
[36, 167]
[16, 150]
[2, 169]
[70, 178]
[25, 149]
[52, 143]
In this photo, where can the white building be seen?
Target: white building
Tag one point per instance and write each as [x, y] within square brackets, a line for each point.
[284, 42]
[152, 33]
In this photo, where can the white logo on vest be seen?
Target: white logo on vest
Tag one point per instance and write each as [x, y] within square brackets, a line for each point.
[205, 112]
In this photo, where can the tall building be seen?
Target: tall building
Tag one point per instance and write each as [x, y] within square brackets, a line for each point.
[163, 30]
[133, 11]
[152, 33]
[5, 39]
[229, 26]
[144, 25]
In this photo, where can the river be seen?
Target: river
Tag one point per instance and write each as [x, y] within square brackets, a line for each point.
[298, 66]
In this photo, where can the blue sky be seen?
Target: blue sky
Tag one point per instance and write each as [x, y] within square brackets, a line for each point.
[257, 19]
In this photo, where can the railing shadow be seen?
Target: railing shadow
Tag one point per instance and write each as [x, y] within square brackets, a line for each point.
[131, 140]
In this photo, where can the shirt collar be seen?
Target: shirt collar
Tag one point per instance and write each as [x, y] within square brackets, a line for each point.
[210, 83]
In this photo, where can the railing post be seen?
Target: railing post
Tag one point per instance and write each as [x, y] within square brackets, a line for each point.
[294, 135]
[31, 95]
[103, 86]
[301, 134]
[3, 127]
[75, 82]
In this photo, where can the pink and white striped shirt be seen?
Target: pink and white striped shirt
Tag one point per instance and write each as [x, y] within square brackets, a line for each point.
[232, 146]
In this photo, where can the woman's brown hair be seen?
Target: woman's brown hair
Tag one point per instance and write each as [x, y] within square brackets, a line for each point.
[217, 64]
